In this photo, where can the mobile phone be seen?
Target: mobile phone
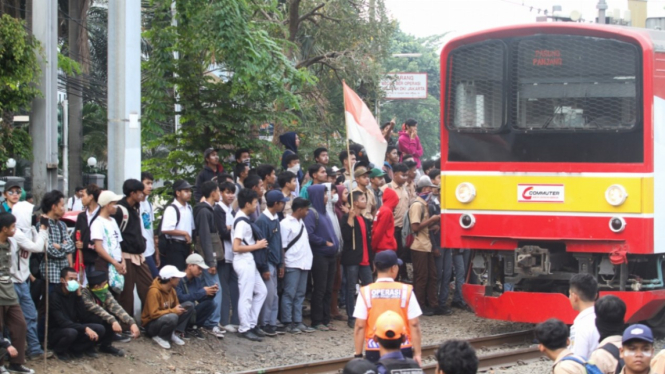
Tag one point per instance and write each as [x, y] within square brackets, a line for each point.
[43, 221]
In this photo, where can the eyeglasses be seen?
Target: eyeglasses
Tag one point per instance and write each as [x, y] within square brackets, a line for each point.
[646, 351]
[13, 192]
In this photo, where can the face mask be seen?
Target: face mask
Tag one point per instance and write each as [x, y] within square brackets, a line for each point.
[294, 169]
[335, 199]
[246, 162]
[72, 286]
[424, 196]
[101, 293]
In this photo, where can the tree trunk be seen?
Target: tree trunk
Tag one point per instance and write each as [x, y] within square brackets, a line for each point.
[78, 10]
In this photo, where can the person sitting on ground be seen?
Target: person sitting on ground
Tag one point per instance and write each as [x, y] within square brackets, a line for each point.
[584, 336]
[99, 301]
[637, 350]
[72, 330]
[456, 357]
[610, 313]
[390, 333]
[163, 316]
[552, 336]
[192, 289]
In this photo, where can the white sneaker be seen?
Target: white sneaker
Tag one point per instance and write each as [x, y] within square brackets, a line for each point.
[231, 328]
[175, 339]
[218, 332]
[162, 343]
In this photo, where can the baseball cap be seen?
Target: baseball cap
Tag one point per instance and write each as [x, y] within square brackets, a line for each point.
[208, 151]
[170, 271]
[389, 326]
[637, 332]
[275, 196]
[360, 171]
[386, 259]
[425, 181]
[376, 173]
[107, 197]
[196, 259]
[12, 184]
[181, 184]
[360, 366]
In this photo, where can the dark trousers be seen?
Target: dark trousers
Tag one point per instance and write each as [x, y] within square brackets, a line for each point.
[167, 324]
[68, 339]
[139, 276]
[228, 280]
[403, 254]
[11, 318]
[353, 273]
[176, 254]
[424, 278]
[107, 339]
[203, 311]
[337, 286]
[323, 275]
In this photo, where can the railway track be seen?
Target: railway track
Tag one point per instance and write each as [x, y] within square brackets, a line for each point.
[487, 361]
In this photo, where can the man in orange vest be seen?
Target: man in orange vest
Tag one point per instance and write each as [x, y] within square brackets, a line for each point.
[384, 295]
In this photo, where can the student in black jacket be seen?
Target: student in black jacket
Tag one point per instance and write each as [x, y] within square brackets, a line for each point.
[210, 172]
[70, 327]
[133, 244]
[83, 222]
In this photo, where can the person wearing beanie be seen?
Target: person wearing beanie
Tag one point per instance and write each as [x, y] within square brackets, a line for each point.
[610, 313]
[106, 311]
[389, 333]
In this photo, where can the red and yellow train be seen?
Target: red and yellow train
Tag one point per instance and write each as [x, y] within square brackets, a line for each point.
[553, 164]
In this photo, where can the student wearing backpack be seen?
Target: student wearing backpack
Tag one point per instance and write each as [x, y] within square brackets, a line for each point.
[105, 236]
[133, 244]
[251, 288]
[177, 227]
[610, 313]
[552, 336]
[151, 253]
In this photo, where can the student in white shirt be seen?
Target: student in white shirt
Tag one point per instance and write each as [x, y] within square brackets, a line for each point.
[151, 253]
[228, 278]
[298, 262]
[74, 203]
[252, 290]
[105, 233]
[584, 336]
[178, 232]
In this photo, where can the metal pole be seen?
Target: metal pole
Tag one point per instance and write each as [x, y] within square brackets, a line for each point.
[65, 147]
[124, 92]
[602, 6]
[44, 118]
[176, 56]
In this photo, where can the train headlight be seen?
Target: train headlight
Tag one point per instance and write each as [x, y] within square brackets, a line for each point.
[467, 221]
[465, 192]
[617, 224]
[616, 195]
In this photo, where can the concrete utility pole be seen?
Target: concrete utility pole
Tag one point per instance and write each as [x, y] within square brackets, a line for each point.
[124, 90]
[602, 7]
[77, 9]
[43, 122]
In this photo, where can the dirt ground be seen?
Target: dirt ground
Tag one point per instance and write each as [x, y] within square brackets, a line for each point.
[234, 354]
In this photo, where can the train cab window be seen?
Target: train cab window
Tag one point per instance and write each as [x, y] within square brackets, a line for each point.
[476, 86]
[565, 82]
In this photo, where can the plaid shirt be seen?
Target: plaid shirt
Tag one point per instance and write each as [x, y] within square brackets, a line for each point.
[57, 258]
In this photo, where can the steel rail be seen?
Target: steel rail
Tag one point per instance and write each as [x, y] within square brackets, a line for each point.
[502, 359]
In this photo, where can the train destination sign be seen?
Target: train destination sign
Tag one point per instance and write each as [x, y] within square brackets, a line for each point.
[405, 86]
[540, 193]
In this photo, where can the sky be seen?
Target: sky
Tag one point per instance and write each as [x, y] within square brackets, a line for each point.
[430, 17]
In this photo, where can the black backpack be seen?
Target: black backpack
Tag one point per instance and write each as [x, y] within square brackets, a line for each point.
[162, 240]
[256, 233]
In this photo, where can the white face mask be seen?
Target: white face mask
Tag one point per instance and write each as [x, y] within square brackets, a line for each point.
[335, 198]
[294, 169]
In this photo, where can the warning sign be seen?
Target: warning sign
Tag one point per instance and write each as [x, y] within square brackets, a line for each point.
[405, 86]
[540, 193]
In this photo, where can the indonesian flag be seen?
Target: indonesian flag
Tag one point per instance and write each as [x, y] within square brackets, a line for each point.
[362, 127]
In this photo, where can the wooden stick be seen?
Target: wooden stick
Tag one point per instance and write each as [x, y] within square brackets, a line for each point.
[348, 161]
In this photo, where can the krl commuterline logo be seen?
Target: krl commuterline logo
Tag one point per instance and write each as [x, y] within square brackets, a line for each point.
[540, 193]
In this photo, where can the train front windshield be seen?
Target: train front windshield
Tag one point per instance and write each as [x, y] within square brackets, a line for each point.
[545, 98]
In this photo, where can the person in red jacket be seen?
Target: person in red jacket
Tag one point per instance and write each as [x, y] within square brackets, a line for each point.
[409, 142]
[383, 229]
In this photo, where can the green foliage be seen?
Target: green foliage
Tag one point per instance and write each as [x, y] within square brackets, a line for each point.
[426, 112]
[19, 72]
[95, 130]
[69, 66]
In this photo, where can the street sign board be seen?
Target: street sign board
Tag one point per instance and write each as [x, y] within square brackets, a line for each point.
[405, 86]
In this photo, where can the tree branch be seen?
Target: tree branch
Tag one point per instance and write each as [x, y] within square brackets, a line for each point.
[317, 59]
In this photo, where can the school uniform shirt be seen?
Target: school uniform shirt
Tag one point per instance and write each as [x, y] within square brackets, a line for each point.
[228, 244]
[186, 223]
[107, 230]
[604, 359]
[242, 231]
[299, 256]
[403, 202]
[561, 366]
[658, 362]
[584, 336]
[147, 220]
[74, 204]
[418, 213]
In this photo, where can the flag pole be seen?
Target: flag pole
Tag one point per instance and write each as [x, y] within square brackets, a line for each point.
[348, 160]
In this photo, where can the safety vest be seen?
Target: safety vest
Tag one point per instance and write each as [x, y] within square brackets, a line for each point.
[406, 366]
[380, 297]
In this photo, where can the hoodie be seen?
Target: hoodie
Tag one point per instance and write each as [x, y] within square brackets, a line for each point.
[288, 139]
[27, 241]
[410, 146]
[330, 209]
[206, 175]
[383, 230]
[158, 302]
[323, 231]
[204, 221]
[67, 311]
[133, 241]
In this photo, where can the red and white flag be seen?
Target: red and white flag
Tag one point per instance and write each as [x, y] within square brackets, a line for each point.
[362, 127]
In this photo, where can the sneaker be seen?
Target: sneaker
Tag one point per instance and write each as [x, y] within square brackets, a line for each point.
[77, 355]
[269, 331]
[292, 328]
[260, 333]
[18, 368]
[39, 355]
[249, 334]
[92, 353]
[176, 339]
[112, 350]
[121, 338]
[461, 305]
[279, 324]
[196, 333]
[331, 327]
[64, 357]
[442, 311]
[340, 317]
[3, 370]
[215, 331]
[230, 328]
[351, 324]
[304, 328]
[321, 327]
[281, 330]
[162, 343]
[427, 312]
